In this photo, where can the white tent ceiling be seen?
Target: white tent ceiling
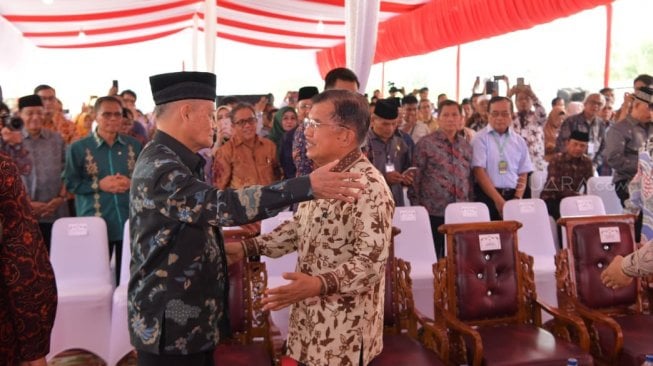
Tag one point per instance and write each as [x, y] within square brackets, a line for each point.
[294, 24]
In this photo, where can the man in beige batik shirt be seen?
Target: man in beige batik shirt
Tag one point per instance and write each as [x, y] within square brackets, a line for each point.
[337, 291]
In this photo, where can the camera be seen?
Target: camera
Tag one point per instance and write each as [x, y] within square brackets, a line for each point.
[12, 123]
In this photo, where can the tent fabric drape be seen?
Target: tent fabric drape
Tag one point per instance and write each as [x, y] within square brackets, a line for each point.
[362, 21]
[444, 23]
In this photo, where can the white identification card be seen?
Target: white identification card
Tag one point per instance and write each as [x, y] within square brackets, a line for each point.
[526, 207]
[590, 148]
[407, 215]
[77, 230]
[610, 234]
[389, 167]
[584, 205]
[489, 242]
[469, 211]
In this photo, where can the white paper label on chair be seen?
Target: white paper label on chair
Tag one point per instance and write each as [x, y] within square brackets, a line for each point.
[489, 242]
[77, 229]
[584, 205]
[407, 215]
[527, 207]
[469, 211]
[610, 234]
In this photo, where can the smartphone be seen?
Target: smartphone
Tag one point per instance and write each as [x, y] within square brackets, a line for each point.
[115, 84]
[490, 87]
[410, 170]
[520, 81]
[498, 77]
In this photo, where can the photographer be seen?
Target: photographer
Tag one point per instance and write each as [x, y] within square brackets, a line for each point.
[11, 141]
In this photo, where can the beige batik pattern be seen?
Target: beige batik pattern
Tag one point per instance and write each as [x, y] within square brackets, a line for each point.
[346, 245]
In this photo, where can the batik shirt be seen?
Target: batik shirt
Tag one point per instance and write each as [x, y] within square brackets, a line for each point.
[443, 172]
[28, 300]
[44, 182]
[178, 290]
[303, 164]
[346, 246]
[238, 164]
[530, 125]
[640, 262]
[566, 176]
[88, 161]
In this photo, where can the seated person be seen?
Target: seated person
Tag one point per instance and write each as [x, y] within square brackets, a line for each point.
[568, 172]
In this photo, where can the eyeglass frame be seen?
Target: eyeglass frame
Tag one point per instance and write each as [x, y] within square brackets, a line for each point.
[309, 122]
[250, 121]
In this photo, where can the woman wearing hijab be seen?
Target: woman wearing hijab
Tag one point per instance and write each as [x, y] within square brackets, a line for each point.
[283, 130]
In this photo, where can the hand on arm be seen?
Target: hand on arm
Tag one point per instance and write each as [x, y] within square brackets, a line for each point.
[301, 287]
[327, 184]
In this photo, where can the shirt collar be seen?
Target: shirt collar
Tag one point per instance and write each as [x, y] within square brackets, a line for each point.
[191, 160]
[238, 140]
[44, 133]
[99, 140]
[348, 160]
[492, 130]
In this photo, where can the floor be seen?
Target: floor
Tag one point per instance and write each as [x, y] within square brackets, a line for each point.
[83, 358]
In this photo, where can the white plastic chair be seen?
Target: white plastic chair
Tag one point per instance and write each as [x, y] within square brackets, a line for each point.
[585, 205]
[466, 212]
[119, 344]
[603, 187]
[415, 245]
[537, 182]
[80, 259]
[276, 266]
[536, 239]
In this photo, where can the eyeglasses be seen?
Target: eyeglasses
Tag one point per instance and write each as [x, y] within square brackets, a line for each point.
[109, 115]
[246, 121]
[504, 114]
[305, 106]
[309, 122]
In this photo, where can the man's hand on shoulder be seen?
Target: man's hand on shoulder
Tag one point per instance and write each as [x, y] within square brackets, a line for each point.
[327, 184]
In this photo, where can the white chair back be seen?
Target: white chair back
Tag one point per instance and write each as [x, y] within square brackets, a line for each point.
[80, 250]
[584, 205]
[603, 187]
[126, 256]
[537, 182]
[535, 236]
[466, 212]
[415, 242]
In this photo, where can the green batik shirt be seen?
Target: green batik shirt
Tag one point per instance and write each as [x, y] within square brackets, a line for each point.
[87, 162]
[178, 289]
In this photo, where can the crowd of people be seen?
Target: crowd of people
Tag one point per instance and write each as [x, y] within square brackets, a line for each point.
[341, 160]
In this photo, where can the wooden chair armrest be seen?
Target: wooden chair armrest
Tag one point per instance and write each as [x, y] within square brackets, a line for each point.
[434, 337]
[592, 316]
[567, 320]
[458, 329]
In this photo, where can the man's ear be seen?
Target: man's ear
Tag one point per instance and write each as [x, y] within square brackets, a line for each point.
[184, 112]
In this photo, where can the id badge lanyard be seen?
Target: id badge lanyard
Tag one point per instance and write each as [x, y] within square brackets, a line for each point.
[503, 163]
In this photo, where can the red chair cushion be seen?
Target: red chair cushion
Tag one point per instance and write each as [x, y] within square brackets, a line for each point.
[486, 281]
[591, 257]
[403, 350]
[638, 338]
[527, 345]
[241, 355]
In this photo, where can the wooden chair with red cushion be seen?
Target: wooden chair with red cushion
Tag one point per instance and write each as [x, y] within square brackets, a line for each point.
[619, 322]
[485, 294]
[251, 341]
